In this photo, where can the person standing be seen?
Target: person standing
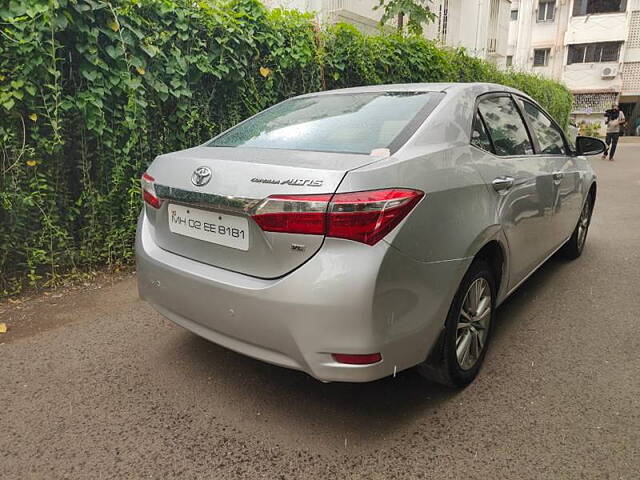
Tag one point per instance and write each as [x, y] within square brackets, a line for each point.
[615, 120]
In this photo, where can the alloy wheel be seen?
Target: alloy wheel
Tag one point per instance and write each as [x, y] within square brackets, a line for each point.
[473, 323]
[583, 223]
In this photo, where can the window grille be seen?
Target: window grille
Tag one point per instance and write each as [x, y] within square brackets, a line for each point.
[631, 77]
[593, 102]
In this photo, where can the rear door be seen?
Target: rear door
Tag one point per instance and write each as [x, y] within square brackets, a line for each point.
[551, 144]
[520, 180]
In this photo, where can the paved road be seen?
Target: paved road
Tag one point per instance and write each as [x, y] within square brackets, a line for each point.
[95, 384]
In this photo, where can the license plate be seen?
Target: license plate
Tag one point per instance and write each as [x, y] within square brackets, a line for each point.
[228, 230]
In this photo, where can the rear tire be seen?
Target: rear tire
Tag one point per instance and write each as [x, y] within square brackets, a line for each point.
[467, 332]
[575, 245]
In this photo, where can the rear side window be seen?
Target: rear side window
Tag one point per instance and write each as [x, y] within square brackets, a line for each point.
[348, 122]
[548, 135]
[479, 137]
[506, 128]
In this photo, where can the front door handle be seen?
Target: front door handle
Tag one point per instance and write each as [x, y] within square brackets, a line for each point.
[557, 176]
[502, 184]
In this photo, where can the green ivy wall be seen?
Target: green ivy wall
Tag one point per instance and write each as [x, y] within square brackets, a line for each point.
[91, 91]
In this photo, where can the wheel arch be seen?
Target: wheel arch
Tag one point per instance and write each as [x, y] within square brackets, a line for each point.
[492, 246]
[494, 253]
[593, 190]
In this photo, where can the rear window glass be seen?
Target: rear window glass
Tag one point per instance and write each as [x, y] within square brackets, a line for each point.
[351, 123]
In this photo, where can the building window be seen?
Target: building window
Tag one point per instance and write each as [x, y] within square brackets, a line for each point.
[514, 14]
[443, 20]
[541, 57]
[509, 60]
[594, 52]
[492, 28]
[546, 10]
[587, 7]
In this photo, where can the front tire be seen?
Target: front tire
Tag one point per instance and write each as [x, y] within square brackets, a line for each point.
[575, 245]
[467, 330]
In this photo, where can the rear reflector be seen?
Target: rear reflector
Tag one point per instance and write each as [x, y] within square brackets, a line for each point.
[361, 216]
[147, 182]
[357, 359]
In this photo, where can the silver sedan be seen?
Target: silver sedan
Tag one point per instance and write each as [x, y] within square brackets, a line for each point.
[355, 233]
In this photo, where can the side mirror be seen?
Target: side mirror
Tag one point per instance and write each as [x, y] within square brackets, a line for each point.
[589, 146]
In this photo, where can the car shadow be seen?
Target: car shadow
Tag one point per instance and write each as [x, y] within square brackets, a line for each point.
[293, 400]
[513, 307]
[296, 400]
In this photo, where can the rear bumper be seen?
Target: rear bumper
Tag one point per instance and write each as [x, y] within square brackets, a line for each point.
[348, 298]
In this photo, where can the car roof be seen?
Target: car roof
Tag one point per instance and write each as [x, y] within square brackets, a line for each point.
[422, 87]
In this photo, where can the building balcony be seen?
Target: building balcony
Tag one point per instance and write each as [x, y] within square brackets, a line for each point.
[593, 77]
[596, 28]
[361, 8]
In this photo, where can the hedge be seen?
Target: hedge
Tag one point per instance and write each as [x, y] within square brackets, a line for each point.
[91, 91]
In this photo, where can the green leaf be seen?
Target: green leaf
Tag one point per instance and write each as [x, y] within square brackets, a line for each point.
[8, 104]
[150, 50]
[114, 52]
[90, 75]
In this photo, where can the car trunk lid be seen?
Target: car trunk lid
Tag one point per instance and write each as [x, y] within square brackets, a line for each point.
[212, 223]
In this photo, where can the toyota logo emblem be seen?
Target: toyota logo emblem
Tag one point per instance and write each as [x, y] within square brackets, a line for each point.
[201, 176]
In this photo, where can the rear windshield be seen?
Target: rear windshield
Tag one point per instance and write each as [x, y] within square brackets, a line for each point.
[351, 123]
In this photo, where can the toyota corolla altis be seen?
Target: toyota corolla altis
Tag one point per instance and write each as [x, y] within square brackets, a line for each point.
[356, 233]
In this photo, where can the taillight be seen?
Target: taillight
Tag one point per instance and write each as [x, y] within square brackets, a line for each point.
[293, 213]
[368, 216]
[147, 183]
[361, 216]
[357, 358]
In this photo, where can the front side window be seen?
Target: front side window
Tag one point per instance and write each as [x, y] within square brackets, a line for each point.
[506, 128]
[594, 52]
[348, 122]
[541, 57]
[549, 137]
[546, 10]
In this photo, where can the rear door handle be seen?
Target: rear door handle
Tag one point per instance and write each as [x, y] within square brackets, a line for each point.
[557, 176]
[502, 184]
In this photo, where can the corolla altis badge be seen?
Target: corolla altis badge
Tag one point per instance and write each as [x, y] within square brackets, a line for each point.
[201, 176]
[296, 182]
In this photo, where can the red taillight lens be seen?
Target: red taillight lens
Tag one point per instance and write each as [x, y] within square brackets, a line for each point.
[368, 216]
[147, 183]
[357, 359]
[293, 213]
[361, 216]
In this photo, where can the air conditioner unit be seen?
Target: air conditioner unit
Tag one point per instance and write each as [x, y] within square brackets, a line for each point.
[609, 72]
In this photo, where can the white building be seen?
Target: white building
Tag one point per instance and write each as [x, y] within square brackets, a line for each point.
[480, 26]
[593, 46]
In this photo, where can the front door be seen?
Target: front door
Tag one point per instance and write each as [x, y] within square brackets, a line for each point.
[522, 182]
[550, 143]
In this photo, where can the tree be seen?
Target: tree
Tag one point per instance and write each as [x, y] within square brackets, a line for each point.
[417, 10]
